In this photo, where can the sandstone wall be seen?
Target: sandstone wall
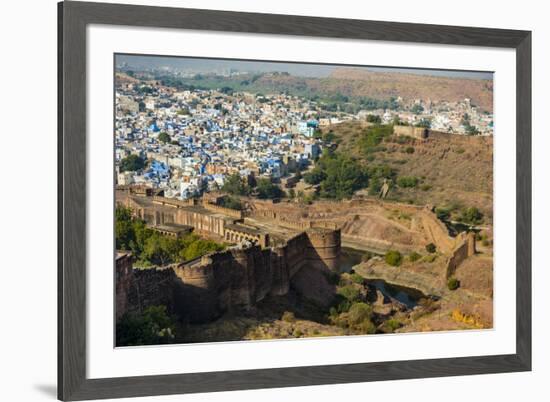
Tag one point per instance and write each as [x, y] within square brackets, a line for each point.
[411, 131]
[464, 249]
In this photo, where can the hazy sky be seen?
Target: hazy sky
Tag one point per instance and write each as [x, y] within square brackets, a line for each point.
[298, 69]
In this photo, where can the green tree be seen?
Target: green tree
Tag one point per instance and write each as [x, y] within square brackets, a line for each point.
[152, 327]
[131, 163]
[235, 185]
[407, 181]
[471, 215]
[393, 258]
[267, 190]
[453, 283]
[315, 176]
[344, 176]
[372, 118]
[164, 137]
[417, 108]
[430, 248]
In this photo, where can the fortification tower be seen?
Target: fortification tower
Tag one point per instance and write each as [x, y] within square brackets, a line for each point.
[196, 293]
[324, 248]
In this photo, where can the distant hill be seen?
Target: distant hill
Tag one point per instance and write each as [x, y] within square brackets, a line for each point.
[357, 82]
[348, 85]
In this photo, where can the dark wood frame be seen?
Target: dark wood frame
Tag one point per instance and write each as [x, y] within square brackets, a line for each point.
[73, 17]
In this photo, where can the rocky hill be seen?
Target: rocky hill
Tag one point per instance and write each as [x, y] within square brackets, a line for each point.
[361, 82]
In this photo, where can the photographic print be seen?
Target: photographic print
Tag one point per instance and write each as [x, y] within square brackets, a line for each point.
[261, 200]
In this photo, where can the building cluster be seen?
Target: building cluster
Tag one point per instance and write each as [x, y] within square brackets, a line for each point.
[195, 139]
[449, 117]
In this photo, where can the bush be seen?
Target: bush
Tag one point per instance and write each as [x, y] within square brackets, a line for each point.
[430, 248]
[429, 258]
[131, 163]
[359, 312]
[356, 278]
[471, 215]
[425, 187]
[414, 256]
[407, 181]
[409, 150]
[152, 327]
[349, 292]
[393, 258]
[392, 324]
[288, 316]
[453, 284]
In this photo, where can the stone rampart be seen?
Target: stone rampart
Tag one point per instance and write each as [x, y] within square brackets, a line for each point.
[465, 248]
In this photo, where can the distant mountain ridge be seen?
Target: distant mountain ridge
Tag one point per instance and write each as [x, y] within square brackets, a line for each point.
[411, 86]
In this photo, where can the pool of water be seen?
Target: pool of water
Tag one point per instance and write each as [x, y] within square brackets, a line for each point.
[408, 296]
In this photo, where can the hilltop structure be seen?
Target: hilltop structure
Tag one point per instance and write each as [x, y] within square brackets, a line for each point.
[230, 280]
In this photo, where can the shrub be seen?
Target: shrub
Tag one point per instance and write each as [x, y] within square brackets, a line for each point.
[392, 324]
[407, 181]
[414, 256]
[359, 312]
[356, 278]
[453, 284]
[288, 316]
[442, 213]
[425, 187]
[409, 150]
[429, 257]
[430, 248]
[298, 333]
[393, 258]
[471, 215]
[349, 292]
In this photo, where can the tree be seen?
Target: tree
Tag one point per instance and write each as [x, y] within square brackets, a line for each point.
[372, 118]
[131, 163]
[414, 256]
[407, 181]
[453, 284]
[417, 108]
[471, 215]
[231, 203]
[267, 190]
[430, 248]
[393, 258]
[315, 176]
[152, 327]
[164, 137]
[235, 185]
[344, 176]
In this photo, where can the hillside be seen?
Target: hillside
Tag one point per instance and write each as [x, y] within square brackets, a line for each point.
[453, 171]
[356, 82]
[350, 85]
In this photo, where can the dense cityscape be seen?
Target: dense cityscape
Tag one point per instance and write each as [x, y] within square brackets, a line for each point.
[194, 139]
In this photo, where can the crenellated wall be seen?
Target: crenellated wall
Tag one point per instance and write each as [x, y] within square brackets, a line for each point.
[234, 279]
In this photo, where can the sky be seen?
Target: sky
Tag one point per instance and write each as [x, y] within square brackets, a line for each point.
[298, 69]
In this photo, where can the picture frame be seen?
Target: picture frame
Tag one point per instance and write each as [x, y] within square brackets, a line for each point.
[73, 19]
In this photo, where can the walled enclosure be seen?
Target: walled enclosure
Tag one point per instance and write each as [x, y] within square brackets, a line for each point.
[235, 279]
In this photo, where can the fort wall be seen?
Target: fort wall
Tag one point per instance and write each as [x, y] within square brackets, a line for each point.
[411, 131]
[232, 280]
[465, 248]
